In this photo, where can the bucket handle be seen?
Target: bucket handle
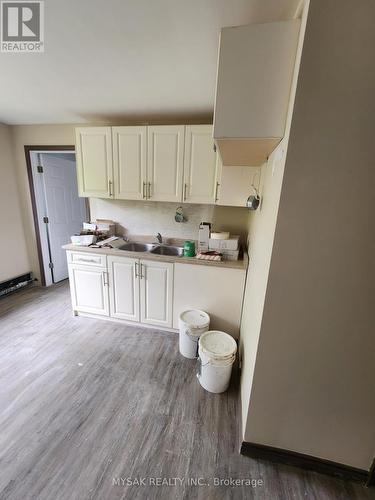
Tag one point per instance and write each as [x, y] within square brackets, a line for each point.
[192, 337]
[199, 360]
[208, 362]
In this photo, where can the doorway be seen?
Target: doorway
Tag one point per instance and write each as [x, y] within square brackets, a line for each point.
[58, 210]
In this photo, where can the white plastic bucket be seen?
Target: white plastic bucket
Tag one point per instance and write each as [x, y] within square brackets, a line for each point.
[217, 353]
[192, 324]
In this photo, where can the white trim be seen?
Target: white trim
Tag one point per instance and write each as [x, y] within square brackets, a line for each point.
[54, 151]
[41, 211]
[125, 322]
[40, 203]
[299, 10]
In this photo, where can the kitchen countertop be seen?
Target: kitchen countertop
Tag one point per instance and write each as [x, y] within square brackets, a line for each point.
[232, 264]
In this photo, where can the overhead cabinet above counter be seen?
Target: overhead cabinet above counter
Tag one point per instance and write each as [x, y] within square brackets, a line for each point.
[255, 70]
[174, 163]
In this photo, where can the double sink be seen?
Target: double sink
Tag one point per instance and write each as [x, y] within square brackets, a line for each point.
[154, 248]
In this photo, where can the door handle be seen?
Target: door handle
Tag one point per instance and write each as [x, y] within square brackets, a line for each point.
[141, 275]
[216, 192]
[185, 191]
[135, 269]
[149, 191]
[144, 194]
[105, 278]
[110, 188]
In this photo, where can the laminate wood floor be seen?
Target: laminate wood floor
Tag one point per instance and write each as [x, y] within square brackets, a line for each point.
[85, 404]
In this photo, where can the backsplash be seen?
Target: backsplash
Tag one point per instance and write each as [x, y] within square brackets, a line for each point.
[149, 218]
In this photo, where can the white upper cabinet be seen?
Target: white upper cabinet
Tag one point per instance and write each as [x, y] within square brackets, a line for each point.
[129, 162]
[165, 161]
[256, 64]
[94, 162]
[174, 163]
[200, 165]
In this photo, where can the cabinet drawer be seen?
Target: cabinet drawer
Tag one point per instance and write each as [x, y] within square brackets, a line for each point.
[87, 259]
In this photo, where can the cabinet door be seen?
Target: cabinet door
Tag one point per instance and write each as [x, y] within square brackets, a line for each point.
[200, 165]
[129, 162]
[123, 288]
[165, 158]
[89, 289]
[234, 184]
[156, 293]
[94, 162]
[218, 291]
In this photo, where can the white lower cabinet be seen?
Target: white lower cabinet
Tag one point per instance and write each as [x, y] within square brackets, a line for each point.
[89, 289]
[123, 288]
[156, 292]
[218, 291]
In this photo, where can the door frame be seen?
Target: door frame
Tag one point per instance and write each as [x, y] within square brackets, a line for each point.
[29, 150]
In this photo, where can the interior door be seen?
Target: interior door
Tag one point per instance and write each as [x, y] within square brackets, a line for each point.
[65, 211]
[89, 289]
[129, 162]
[94, 161]
[123, 287]
[156, 292]
[200, 165]
[165, 162]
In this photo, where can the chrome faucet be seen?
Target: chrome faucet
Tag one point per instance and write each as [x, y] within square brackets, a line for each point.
[159, 238]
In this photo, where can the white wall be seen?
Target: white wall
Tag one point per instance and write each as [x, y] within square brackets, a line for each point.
[313, 384]
[13, 249]
[261, 235]
[34, 135]
[261, 239]
[149, 218]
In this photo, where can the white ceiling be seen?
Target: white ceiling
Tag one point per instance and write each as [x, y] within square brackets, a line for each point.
[125, 60]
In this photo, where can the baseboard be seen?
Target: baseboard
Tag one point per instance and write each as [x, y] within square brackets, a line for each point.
[236, 377]
[14, 284]
[371, 475]
[125, 322]
[308, 462]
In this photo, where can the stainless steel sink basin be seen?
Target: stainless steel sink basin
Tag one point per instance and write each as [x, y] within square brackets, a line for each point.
[168, 250]
[156, 249]
[133, 246]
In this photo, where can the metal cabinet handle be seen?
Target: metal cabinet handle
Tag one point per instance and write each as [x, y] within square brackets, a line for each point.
[144, 194]
[216, 191]
[105, 278]
[138, 270]
[86, 260]
[185, 191]
[149, 190]
[110, 188]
